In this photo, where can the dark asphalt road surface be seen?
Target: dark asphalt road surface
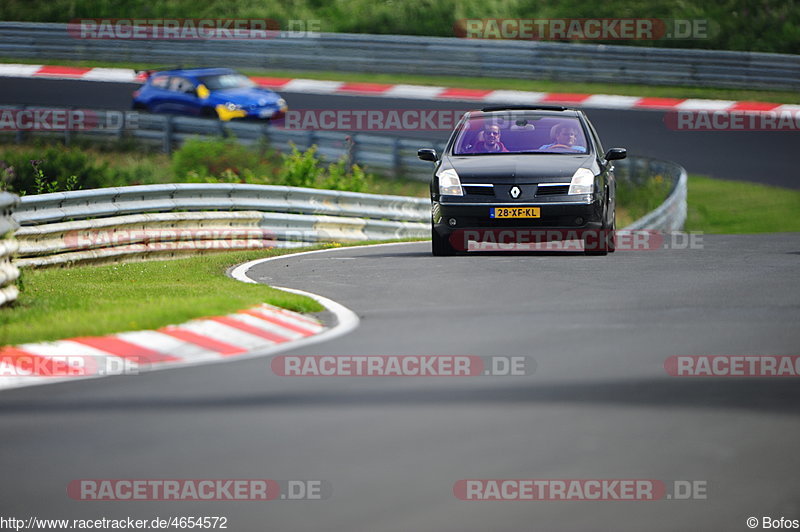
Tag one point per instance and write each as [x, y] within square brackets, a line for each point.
[600, 404]
[762, 157]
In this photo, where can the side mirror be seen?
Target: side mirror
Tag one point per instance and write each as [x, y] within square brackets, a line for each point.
[427, 154]
[615, 154]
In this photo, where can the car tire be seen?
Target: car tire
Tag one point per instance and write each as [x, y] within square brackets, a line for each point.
[612, 238]
[209, 112]
[440, 247]
[600, 248]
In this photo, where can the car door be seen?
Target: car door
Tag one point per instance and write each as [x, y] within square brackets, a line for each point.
[183, 97]
[158, 94]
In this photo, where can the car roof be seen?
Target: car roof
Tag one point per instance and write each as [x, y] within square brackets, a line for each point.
[196, 72]
[547, 110]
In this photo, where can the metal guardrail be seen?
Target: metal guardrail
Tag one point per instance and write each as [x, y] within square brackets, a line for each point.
[671, 214]
[425, 55]
[104, 202]
[163, 221]
[8, 247]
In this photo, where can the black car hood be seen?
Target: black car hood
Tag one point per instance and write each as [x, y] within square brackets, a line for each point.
[518, 169]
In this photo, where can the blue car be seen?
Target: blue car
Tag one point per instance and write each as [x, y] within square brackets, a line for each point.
[210, 92]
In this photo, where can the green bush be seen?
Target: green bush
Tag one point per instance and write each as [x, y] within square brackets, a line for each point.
[201, 159]
[339, 178]
[304, 169]
[40, 168]
[54, 168]
[300, 169]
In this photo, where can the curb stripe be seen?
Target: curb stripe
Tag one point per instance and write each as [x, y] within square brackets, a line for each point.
[11, 355]
[754, 106]
[160, 342]
[236, 337]
[72, 72]
[359, 87]
[465, 94]
[249, 329]
[254, 332]
[206, 342]
[277, 321]
[658, 103]
[124, 349]
[292, 317]
[266, 326]
[276, 83]
[566, 97]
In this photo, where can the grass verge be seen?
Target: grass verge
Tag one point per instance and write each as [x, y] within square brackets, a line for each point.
[723, 206]
[483, 83]
[97, 300]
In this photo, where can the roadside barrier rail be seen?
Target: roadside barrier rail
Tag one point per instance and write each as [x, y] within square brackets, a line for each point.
[405, 54]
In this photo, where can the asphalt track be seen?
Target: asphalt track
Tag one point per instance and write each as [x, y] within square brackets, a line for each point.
[600, 404]
[762, 157]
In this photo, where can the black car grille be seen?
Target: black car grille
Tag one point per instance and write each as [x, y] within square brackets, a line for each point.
[478, 191]
[550, 191]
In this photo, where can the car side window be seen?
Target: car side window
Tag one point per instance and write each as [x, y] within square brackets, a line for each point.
[160, 82]
[596, 138]
[181, 85]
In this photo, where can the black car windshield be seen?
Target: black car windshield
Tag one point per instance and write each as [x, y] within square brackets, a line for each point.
[226, 81]
[520, 132]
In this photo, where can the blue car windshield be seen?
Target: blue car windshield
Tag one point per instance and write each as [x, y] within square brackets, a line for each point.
[226, 81]
[520, 132]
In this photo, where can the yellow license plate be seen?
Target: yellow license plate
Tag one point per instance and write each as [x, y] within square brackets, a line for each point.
[514, 212]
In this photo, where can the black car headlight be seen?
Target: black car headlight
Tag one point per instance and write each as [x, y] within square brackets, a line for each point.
[582, 182]
[449, 183]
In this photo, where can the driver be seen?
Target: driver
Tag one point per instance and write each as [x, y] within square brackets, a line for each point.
[490, 140]
[564, 136]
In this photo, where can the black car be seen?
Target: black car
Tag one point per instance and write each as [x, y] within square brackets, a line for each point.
[523, 173]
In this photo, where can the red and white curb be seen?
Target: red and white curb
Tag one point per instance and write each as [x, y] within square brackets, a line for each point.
[419, 92]
[258, 331]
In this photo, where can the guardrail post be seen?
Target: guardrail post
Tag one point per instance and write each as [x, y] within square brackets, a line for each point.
[19, 137]
[397, 160]
[9, 272]
[167, 147]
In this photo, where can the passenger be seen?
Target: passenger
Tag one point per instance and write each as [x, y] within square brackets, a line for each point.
[564, 136]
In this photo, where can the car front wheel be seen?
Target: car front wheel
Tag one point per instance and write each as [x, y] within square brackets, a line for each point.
[440, 246]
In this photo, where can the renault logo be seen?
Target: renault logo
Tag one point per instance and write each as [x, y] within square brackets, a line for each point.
[515, 192]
